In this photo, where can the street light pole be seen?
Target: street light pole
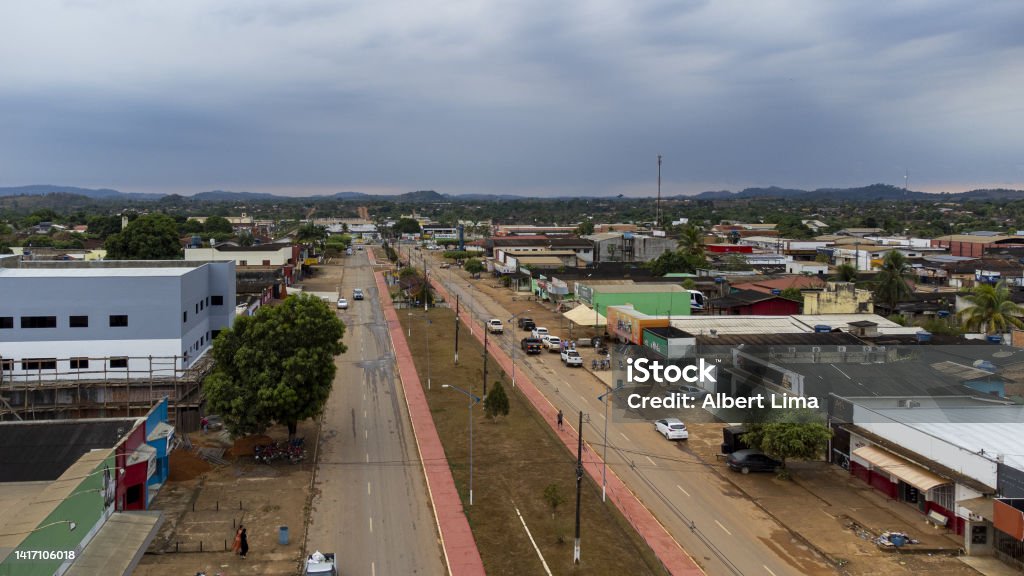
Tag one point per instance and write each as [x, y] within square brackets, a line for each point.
[473, 400]
[604, 456]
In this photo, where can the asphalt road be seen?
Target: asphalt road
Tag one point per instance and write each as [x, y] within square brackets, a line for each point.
[722, 530]
[371, 505]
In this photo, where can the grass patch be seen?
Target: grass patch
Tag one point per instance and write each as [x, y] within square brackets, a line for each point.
[515, 460]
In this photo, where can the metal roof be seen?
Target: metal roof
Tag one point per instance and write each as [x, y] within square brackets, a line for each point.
[635, 288]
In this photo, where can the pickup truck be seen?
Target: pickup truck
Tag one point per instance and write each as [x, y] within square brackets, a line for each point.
[571, 358]
[531, 345]
[526, 324]
[539, 332]
[495, 326]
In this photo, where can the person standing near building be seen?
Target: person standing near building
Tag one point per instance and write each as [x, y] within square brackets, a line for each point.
[236, 546]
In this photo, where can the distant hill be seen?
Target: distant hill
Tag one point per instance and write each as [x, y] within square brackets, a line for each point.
[224, 195]
[860, 194]
[97, 193]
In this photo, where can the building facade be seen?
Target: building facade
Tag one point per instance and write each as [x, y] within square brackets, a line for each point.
[110, 320]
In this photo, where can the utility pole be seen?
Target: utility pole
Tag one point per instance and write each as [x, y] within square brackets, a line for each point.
[486, 332]
[456, 329]
[657, 212]
[579, 486]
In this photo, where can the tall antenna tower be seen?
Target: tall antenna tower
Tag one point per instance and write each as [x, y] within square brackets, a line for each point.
[906, 179]
[657, 211]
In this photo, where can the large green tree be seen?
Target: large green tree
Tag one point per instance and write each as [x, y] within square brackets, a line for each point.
[789, 434]
[218, 225]
[991, 309]
[474, 266]
[276, 366]
[149, 237]
[406, 226]
[310, 233]
[891, 282]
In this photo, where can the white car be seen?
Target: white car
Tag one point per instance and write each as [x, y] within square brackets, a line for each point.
[691, 391]
[495, 326]
[357, 294]
[539, 332]
[552, 343]
[672, 429]
[342, 304]
[572, 358]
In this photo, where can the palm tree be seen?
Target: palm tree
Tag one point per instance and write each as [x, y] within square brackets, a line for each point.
[846, 273]
[891, 283]
[691, 242]
[991, 309]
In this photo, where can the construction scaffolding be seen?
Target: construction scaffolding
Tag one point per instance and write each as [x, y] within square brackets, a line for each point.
[47, 394]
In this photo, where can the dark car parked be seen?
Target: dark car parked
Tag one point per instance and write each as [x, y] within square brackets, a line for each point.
[526, 324]
[531, 345]
[749, 460]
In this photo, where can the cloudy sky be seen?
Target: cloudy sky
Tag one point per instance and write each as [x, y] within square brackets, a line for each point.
[510, 96]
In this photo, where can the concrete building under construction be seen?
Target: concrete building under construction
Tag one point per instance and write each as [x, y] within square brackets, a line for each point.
[108, 338]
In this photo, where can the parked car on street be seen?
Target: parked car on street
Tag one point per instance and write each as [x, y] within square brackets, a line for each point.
[495, 326]
[531, 345]
[342, 304]
[691, 391]
[526, 323]
[539, 332]
[750, 460]
[357, 294]
[571, 358]
[672, 429]
[552, 343]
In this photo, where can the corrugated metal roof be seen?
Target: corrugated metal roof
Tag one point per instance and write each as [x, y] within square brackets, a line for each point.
[651, 288]
[970, 239]
[739, 325]
[841, 320]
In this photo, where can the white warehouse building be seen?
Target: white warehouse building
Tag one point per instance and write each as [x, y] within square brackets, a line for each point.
[110, 319]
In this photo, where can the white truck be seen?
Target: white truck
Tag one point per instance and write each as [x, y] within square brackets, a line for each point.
[495, 326]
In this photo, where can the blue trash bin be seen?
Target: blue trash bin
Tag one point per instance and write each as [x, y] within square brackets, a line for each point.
[282, 535]
[898, 541]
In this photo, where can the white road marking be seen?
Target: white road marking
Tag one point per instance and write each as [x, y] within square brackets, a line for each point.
[371, 524]
[542, 561]
[624, 436]
[364, 411]
[683, 490]
[373, 569]
[366, 434]
[769, 570]
[723, 527]
[651, 461]
[368, 492]
[367, 456]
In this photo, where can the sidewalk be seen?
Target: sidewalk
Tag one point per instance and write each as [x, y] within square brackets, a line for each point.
[671, 554]
[460, 551]
[839, 515]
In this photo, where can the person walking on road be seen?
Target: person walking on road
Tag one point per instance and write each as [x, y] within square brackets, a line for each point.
[244, 544]
[560, 420]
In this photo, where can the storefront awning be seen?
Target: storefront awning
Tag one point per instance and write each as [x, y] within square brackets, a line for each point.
[119, 545]
[584, 315]
[978, 507]
[906, 471]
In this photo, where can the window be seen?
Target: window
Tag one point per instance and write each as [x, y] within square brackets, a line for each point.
[38, 321]
[266, 262]
[215, 300]
[243, 263]
[201, 306]
[121, 362]
[197, 308]
[184, 316]
[6, 365]
[79, 363]
[39, 364]
[118, 320]
[79, 321]
[6, 321]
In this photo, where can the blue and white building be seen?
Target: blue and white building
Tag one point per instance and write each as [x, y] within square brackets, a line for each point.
[109, 320]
